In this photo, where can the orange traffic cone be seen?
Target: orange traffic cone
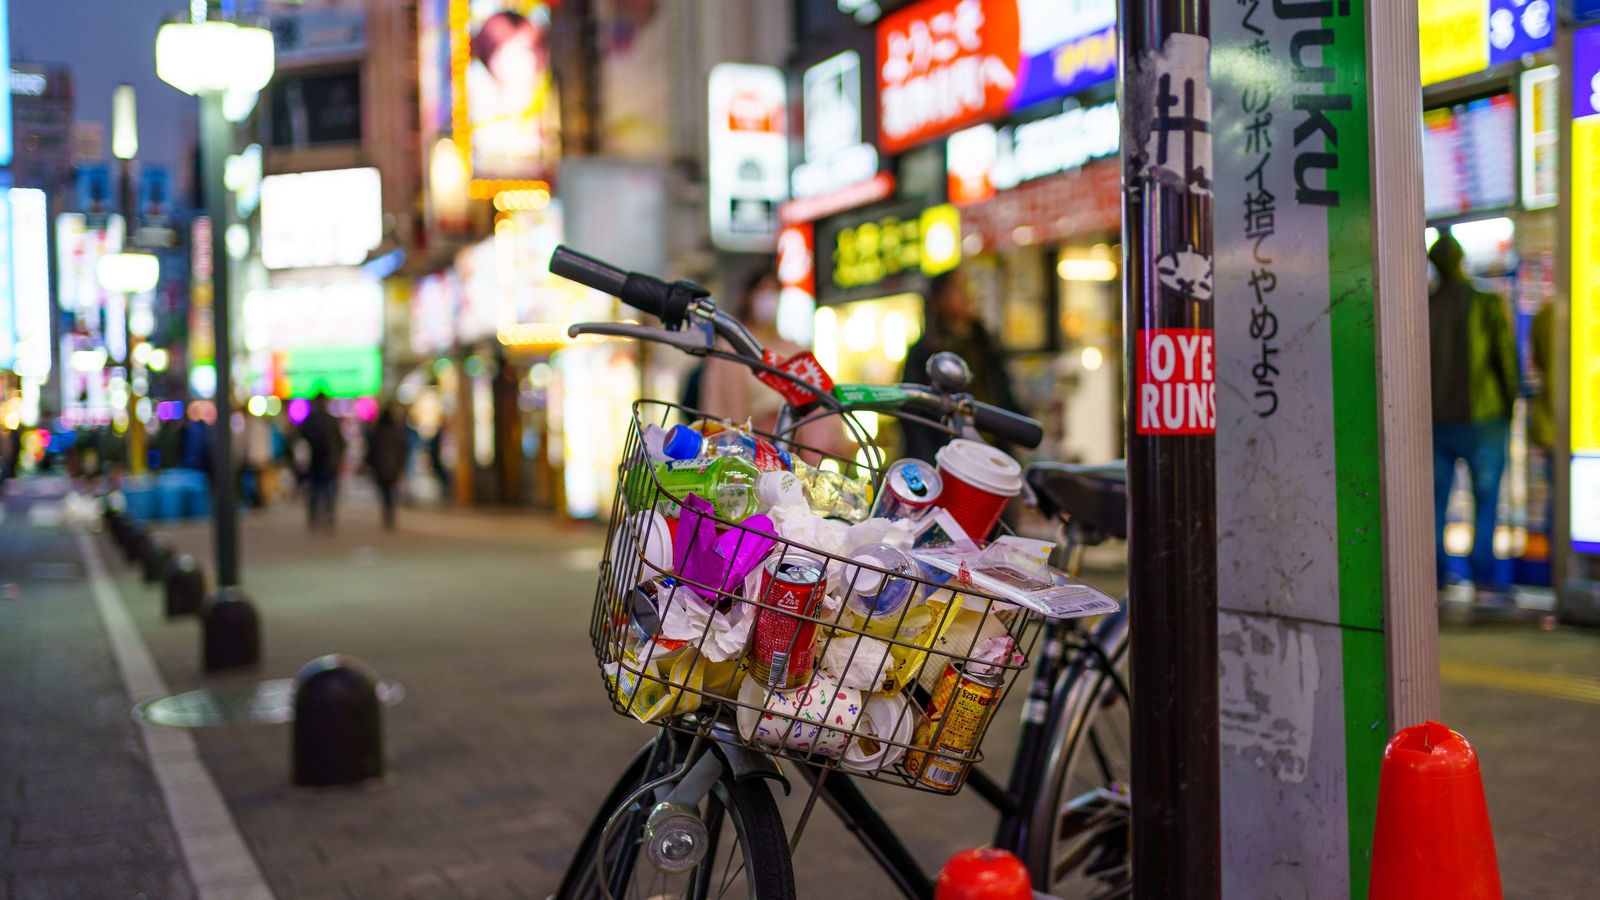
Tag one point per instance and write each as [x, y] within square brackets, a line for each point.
[983, 873]
[1433, 837]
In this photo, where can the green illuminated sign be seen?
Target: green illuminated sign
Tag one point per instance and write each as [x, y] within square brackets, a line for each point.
[335, 371]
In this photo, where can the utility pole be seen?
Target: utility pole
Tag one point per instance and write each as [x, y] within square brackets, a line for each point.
[1167, 248]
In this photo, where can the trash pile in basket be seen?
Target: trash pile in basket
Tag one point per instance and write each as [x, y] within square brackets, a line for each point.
[841, 622]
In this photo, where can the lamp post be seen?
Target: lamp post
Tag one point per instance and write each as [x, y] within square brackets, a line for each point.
[128, 277]
[221, 61]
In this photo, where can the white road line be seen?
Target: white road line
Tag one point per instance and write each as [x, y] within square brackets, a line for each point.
[220, 863]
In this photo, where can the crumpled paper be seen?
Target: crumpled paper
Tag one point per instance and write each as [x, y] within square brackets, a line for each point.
[686, 616]
[858, 662]
[800, 525]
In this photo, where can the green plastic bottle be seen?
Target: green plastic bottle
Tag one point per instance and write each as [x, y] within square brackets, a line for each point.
[729, 482]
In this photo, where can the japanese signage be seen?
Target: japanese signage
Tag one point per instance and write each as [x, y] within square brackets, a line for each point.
[944, 64]
[30, 225]
[1301, 564]
[1086, 201]
[748, 164]
[1585, 401]
[887, 250]
[1468, 156]
[984, 158]
[1459, 37]
[1541, 137]
[835, 155]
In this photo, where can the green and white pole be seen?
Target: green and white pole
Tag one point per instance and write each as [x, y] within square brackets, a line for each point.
[1327, 634]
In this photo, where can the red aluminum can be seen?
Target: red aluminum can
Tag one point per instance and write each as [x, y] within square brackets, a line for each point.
[780, 649]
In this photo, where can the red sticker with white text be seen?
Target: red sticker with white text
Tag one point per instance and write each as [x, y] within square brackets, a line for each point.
[1175, 380]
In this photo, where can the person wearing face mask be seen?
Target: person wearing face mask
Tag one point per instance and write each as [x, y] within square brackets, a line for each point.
[727, 389]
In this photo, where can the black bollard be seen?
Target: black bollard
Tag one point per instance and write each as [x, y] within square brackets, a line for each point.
[157, 553]
[230, 632]
[186, 585]
[133, 546]
[338, 723]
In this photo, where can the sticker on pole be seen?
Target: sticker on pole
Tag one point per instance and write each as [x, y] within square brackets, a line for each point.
[1175, 374]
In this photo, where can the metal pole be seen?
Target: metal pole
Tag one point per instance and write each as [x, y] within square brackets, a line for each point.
[135, 442]
[216, 139]
[1167, 264]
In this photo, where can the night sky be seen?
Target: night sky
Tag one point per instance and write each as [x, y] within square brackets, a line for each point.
[106, 42]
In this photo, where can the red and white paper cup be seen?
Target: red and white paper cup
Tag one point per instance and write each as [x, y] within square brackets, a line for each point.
[978, 483]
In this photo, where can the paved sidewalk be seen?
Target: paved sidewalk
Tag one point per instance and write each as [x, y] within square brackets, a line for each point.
[81, 815]
[503, 745]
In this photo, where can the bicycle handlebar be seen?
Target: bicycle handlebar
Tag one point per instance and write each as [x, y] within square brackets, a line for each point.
[672, 304]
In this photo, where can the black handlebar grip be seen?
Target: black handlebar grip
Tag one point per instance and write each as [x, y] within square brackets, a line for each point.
[1007, 425]
[588, 271]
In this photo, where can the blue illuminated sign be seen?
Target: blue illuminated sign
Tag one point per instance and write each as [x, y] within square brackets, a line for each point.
[5, 89]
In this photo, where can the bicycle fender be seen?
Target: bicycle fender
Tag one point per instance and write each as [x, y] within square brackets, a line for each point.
[744, 763]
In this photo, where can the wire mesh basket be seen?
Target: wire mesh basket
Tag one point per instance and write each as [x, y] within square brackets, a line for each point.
[712, 620]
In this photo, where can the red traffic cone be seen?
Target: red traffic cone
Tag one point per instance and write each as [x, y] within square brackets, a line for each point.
[1433, 837]
[983, 873]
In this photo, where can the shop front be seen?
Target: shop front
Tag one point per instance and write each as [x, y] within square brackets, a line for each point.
[1011, 182]
[1491, 179]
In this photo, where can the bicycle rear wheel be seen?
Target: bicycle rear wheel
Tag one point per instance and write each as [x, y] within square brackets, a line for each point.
[748, 853]
[1079, 845]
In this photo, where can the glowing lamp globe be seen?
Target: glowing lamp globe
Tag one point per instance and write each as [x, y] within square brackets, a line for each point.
[214, 56]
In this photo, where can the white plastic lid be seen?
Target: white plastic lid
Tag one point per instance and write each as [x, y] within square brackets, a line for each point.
[777, 489]
[982, 466]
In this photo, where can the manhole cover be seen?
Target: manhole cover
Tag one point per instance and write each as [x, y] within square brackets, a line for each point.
[257, 703]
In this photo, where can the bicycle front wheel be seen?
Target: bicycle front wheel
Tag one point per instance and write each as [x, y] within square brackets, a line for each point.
[747, 855]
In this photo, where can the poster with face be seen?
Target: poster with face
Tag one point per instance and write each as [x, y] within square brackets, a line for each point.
[513, 113]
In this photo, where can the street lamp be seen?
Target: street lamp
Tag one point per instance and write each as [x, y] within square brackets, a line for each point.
[222, 61]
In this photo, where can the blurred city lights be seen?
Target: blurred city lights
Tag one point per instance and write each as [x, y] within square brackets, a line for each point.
[203, 380]
[257, 406]
[158, 359]
[128, 273]
[1091, 359]
[299, 408]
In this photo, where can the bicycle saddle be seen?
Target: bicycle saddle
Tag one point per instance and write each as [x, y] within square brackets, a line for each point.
[1094, 496]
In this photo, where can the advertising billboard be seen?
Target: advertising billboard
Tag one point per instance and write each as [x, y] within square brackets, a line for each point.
[748, 164]
[506, 111]
[330, 218]
[1460, 37]
[947, 64]
[30, 224]
[1585, 399]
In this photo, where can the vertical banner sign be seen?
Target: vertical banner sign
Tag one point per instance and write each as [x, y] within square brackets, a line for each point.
[1585, 330]
[747, 166]
[1302, 655]
[1168, 176]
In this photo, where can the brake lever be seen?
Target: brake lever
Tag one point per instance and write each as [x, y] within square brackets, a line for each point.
[693, 341]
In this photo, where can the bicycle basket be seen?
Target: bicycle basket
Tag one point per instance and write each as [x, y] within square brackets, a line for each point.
[824, 654]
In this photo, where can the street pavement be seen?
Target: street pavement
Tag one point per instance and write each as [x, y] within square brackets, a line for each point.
[504, 745]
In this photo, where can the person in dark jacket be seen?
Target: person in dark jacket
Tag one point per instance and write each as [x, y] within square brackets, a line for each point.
[387, 451]
[325, 441]
[952, 324]
[1473, 354]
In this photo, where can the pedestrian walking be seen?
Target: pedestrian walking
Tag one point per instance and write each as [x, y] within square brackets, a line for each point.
[1473, 355]
[953, 324]
[386, 459]
[325, 447]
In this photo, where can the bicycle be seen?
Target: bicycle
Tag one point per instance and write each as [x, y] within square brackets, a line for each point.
[701, 782]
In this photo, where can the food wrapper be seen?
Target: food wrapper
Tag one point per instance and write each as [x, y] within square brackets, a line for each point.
[968, 631]
[652, 689]
[719, 636]
[857, 662]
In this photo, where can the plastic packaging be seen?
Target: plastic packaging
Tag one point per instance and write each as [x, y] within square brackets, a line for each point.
[763, 454]
[833, 495]
[874, 596]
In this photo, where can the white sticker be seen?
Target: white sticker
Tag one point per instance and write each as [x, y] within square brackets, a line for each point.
[1173, 121]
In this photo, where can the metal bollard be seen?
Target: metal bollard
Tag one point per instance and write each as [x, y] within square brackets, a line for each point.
[230, 631]
[133, 546]
[157, 553]
[186, 585]
[338, 723]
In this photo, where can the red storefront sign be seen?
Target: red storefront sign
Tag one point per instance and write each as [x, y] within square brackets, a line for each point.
[1049, 210]
[797, 258]
[1176, 385]
[942, 65]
